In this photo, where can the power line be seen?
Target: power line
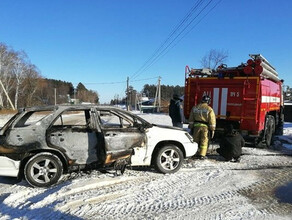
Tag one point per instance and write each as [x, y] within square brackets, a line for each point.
[144, 79]
[193, 9]
[157, 55]
[197, 23]
[168, 44]
[104, 83]
[161, 52]
[120, 82]
[167, 49]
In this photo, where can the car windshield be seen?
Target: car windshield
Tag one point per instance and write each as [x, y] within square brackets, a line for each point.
[122, 119]
[134, 117]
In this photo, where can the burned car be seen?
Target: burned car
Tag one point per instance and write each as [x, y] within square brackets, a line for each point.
[42, 143]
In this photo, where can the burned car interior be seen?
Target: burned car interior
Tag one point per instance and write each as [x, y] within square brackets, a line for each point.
[87, 142]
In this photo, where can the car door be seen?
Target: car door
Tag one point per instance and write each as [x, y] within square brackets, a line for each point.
[121, 134]
[74, 133]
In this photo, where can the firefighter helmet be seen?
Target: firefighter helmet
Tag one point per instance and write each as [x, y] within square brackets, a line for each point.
[206, 99]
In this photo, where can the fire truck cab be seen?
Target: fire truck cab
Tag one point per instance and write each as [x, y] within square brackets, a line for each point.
[248, 96]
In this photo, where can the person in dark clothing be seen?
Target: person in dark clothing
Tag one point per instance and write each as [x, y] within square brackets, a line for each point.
[231, 144]
[175, 111]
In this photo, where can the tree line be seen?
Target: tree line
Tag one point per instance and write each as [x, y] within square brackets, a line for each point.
[22, 85]
[149, 91]
[167, 91]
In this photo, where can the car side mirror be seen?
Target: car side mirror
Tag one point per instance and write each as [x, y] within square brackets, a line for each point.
[140, 127]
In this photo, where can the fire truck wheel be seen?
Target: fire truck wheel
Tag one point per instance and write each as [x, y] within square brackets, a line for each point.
[270, 124]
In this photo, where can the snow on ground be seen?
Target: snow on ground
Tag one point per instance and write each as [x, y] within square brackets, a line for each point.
[210, 189]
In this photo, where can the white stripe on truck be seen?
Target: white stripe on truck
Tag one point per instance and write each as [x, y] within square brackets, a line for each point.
[223, 101]
[270, 99]
[215, 100]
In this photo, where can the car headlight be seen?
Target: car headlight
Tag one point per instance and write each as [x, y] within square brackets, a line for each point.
[189, 137]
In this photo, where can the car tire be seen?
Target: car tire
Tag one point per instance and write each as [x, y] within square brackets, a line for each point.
[43, 170]
[168, 159]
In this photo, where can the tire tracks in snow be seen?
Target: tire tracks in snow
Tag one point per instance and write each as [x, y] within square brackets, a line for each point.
[162, 198]
[187, 194]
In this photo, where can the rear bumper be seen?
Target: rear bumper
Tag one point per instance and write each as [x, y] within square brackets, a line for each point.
[9, 167]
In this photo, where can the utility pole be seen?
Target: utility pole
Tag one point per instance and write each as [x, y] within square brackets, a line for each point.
[127, 99]
[159, 94]
[75, 95]
[55, 90]
[157, 99]
[136, 101]
[7, 95]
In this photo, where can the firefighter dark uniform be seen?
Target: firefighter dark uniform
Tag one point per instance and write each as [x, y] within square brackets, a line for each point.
[202, 119]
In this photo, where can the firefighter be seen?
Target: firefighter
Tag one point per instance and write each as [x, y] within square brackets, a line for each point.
[175, 111]
[202, 120]
[231, 144]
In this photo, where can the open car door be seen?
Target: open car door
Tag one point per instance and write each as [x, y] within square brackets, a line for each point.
[121, 134]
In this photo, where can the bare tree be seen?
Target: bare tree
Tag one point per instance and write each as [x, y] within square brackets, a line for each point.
[30, 85]
[7, 57]
[22, 80]
[20, 66]
[3, 54]
[214, 58]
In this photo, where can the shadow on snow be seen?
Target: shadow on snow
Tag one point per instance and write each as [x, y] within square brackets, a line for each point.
[24, 210]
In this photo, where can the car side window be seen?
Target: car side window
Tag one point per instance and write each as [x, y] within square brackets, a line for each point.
[32, 118]
[110, 120]
[74, 118]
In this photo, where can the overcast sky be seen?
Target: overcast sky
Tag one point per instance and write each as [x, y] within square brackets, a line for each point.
[102, 42]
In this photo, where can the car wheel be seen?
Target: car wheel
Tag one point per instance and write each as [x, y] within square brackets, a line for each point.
[43, 170]
[168, 159]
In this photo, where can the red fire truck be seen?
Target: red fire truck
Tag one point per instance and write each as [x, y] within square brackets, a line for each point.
[249, 96]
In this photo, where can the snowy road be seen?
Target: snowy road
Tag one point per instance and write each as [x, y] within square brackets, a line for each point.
[211, 189]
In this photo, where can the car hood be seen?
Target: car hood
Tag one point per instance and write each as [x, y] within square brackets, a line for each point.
[169, 127]
[159, 133]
